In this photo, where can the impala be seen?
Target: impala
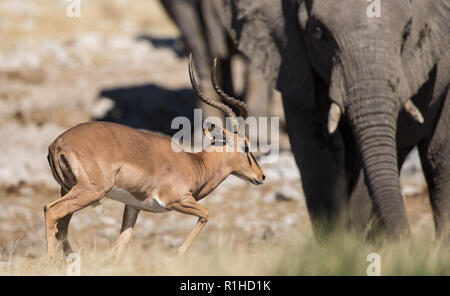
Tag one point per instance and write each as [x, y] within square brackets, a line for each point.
[99, 159]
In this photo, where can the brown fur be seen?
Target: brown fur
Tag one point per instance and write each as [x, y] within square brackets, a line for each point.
[90, 159]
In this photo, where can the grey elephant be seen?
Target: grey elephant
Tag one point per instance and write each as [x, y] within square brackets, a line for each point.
[204, 34]
[363, 82]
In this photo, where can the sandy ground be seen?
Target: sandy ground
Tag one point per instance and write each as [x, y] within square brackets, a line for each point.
[52, 76]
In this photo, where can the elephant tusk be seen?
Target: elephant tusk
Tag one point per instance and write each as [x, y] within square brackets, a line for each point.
[334, 117]
[414, 112]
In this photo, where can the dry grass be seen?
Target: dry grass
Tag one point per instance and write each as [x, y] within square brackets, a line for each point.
[47, 19]
[342, 255]
[222, 248]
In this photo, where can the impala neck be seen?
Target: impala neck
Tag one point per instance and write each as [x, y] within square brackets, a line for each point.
[213, 168]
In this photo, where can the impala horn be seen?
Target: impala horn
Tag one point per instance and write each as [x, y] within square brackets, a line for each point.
[243, 109]
[222, 107]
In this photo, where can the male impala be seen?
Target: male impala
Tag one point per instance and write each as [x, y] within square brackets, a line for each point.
[99, 159]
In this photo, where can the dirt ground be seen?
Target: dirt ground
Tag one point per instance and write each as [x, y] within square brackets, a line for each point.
[55, 72]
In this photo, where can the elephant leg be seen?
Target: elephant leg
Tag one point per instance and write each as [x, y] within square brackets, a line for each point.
[434, 155]
[187, 17]
[214, 31]
[438, 180]
[321, 159]
[257, 93]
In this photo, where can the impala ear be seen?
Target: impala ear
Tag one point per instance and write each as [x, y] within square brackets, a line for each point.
[214, 134]
[208, 135]
[207, 132]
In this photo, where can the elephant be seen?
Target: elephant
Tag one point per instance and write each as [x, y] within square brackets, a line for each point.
[362, 84]
[203, 32]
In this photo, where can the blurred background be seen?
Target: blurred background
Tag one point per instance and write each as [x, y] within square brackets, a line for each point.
[126, 61]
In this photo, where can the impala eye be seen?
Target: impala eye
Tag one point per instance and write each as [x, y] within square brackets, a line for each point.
[317, 33]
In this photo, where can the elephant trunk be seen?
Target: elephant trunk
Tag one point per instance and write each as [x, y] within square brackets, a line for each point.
[372, 106]
[375, 133]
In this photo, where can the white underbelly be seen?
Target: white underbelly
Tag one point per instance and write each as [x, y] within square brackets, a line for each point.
[151, 204]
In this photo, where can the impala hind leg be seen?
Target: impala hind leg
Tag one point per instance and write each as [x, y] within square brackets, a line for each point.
[130, 216]
[58, 211]
[190, 206]
[62, 230]
[61, 234]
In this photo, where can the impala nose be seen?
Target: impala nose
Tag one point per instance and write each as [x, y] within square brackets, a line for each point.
[257, 182]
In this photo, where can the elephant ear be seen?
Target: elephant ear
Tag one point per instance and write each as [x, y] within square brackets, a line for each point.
[429, 39]
[268, 33]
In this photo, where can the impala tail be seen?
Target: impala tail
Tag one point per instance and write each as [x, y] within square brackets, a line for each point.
[61, 169]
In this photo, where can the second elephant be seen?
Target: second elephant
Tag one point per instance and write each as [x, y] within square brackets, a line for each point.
[201, 25]
[359, 92]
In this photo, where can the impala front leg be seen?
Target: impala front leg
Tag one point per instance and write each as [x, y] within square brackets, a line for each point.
[190, 206]
[130, 216]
